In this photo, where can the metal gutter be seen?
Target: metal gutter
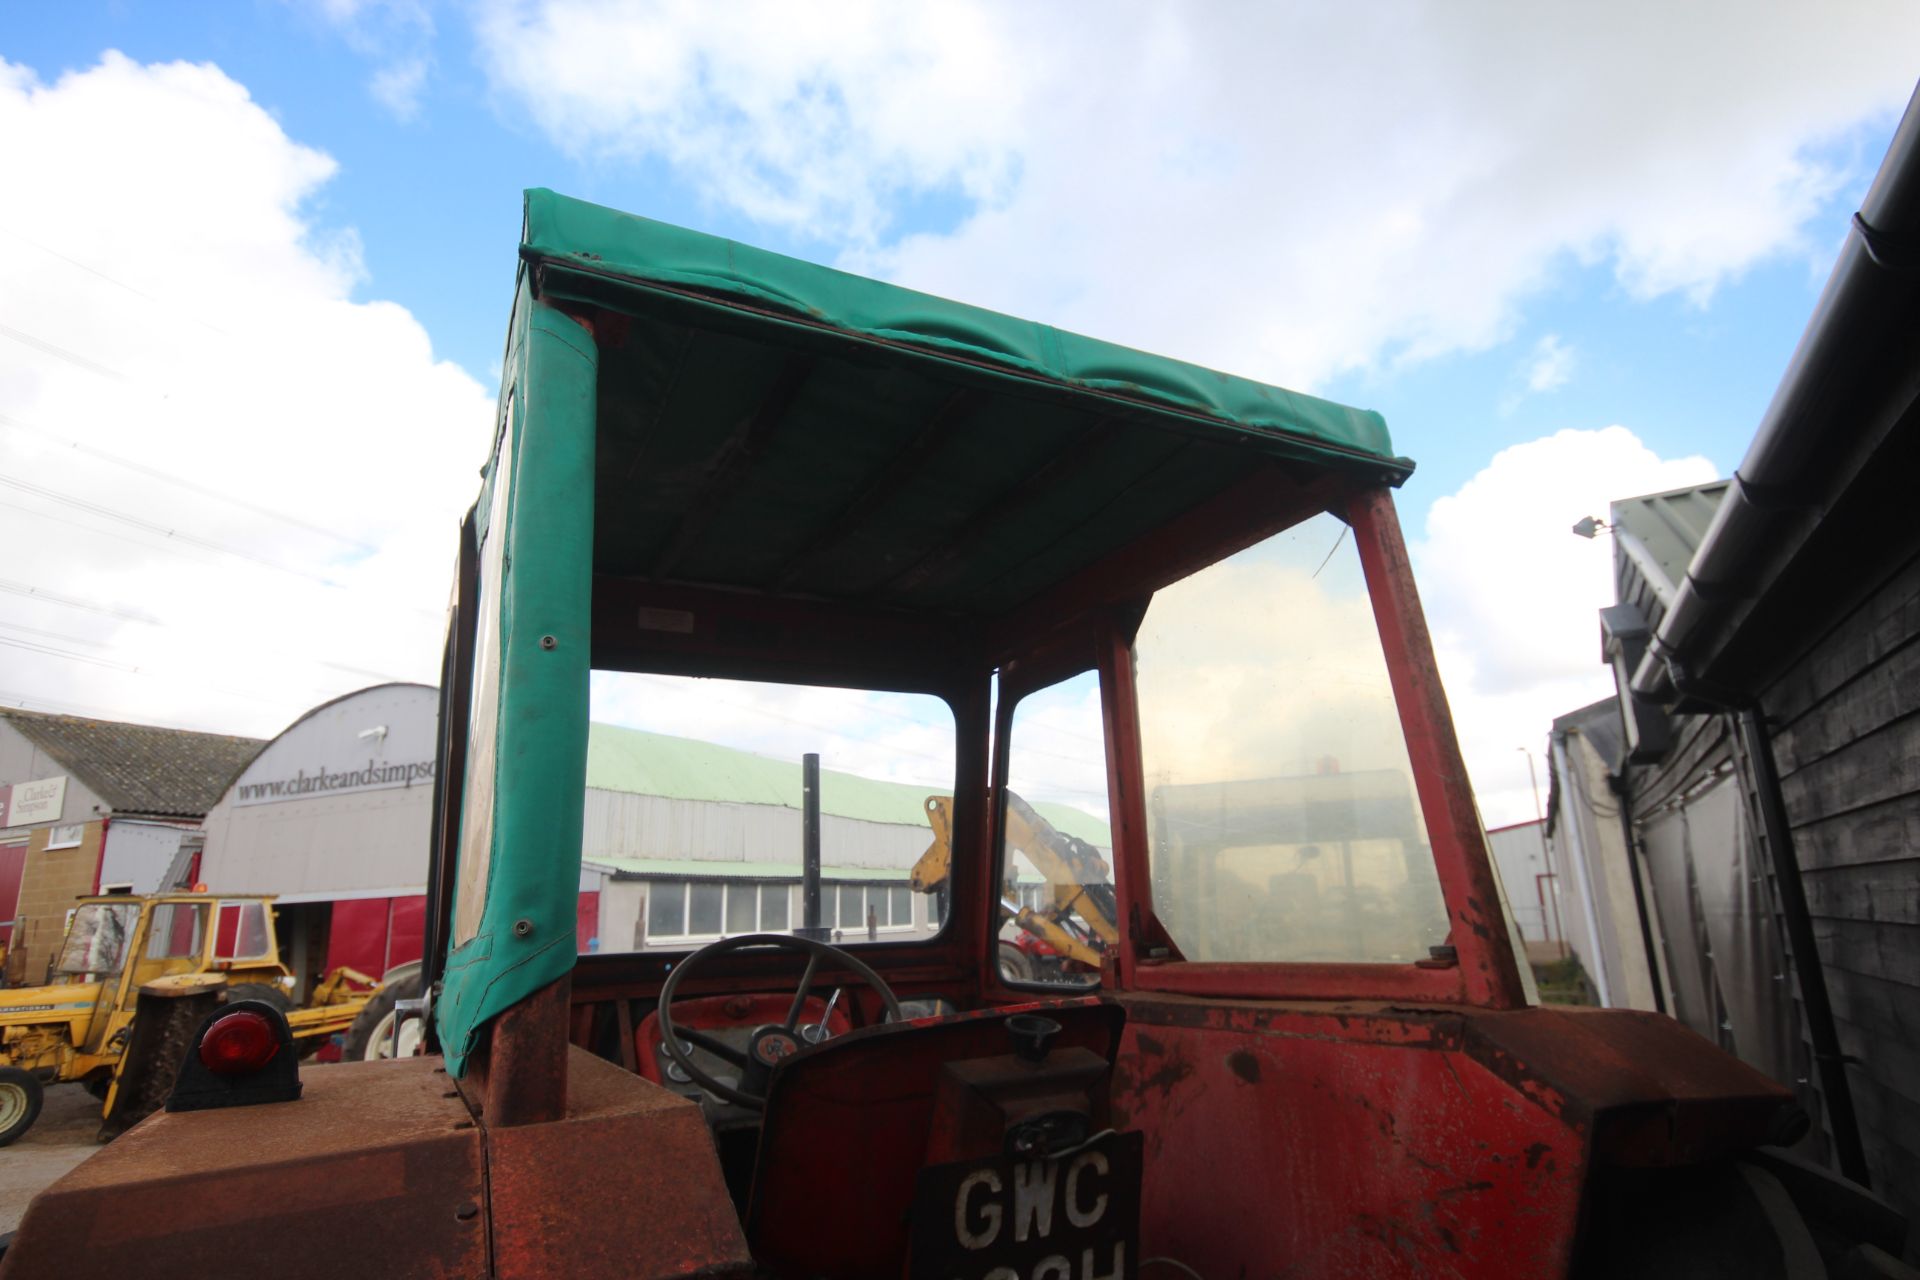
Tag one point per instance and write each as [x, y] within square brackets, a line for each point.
[1794, 466]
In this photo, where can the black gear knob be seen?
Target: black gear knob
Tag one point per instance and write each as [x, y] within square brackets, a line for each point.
[1031, 1034]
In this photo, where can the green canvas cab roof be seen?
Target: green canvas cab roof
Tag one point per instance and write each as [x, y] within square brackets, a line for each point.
[771, 425]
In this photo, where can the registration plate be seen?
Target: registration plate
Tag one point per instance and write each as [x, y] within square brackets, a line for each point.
[1071, 1217]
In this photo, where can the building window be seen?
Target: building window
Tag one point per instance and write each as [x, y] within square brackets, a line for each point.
[65, 837]
[706, 909]
[892, 906]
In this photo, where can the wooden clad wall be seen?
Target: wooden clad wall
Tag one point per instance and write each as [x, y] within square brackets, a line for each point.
[1846, 733]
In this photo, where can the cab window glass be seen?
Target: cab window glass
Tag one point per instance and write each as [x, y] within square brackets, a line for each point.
[693, 810]
[1282, 819]
[242, 931]
[97, 937]
[1057, 911]
[176, 930]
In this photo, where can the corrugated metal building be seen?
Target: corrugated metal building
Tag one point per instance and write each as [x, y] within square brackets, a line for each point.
[1766, 648]
[1526, 873]
[684, 842]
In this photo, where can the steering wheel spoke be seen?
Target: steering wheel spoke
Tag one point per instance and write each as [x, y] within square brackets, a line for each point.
[800, 993]
[712, 1044]
[770, 1043]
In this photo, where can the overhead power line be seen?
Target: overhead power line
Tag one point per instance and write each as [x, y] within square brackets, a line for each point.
[184, 483]
[73, 602]
[53, 651]
[110, 513]
[171, 307]
[61, 353]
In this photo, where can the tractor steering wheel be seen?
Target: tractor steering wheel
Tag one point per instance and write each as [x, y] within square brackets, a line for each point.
[769, 1043]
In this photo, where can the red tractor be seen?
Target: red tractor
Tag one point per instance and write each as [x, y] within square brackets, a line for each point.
[1311, 1051]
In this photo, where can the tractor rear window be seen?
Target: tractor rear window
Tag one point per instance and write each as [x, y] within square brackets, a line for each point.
[1282, 819]
[694, 826]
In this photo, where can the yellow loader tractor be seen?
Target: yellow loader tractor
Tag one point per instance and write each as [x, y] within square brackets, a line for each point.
[184, 949]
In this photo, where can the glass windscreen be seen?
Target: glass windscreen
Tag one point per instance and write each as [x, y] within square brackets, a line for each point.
[1282, 819]
[694, 812]
[97, 938]
[1057, 910]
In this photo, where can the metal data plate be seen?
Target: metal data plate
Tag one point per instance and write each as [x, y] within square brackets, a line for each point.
[1072, 1217]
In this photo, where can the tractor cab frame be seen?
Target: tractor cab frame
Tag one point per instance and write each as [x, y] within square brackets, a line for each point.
[711, 461]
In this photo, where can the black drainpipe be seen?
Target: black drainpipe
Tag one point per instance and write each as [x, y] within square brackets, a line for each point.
[1827, 1057]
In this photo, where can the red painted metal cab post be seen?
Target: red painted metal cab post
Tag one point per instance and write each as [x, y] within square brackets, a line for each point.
[1489, 970]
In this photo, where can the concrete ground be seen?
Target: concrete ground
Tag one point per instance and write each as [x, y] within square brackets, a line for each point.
[61, 1138]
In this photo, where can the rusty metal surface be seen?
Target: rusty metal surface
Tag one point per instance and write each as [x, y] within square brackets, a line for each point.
[378, 1158]
[1357, 1141]
[519, 1074]
[626, 1184]
[1383, 1140]
[1653, 1092]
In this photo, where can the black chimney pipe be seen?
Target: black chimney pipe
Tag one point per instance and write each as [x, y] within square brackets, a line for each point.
[810, 926]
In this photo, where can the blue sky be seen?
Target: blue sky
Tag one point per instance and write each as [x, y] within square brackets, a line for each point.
[1506, 234]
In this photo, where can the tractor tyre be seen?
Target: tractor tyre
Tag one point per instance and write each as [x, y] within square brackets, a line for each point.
[371, 1035]
[1015, 964]
[20, 1099]
[263, 992]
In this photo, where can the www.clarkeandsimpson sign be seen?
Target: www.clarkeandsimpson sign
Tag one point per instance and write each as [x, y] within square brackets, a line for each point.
[380, 739]
[374, 775]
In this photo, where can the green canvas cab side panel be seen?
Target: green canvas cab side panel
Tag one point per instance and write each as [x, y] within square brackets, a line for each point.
[595, 240]
[524, 938]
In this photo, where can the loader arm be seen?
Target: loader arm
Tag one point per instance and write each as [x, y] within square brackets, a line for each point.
[1079, 879]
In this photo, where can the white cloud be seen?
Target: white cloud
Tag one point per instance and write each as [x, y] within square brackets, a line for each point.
[397, 35]
[1551, 366]
[398, 87]
[1511, 594]
[185, 375]
[1282, 191]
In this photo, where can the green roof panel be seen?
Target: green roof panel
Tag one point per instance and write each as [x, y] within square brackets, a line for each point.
[660, 764]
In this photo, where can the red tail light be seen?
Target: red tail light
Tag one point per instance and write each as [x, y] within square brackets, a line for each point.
[238, 1043]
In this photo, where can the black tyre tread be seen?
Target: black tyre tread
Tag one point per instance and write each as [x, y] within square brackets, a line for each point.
[260, 991]
[35, 1096]
[403, 988]
[1016, 965]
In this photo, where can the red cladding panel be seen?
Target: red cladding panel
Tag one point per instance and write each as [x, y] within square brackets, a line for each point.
[586, 926]
[13, 862]
[357, 938]
[407, 931]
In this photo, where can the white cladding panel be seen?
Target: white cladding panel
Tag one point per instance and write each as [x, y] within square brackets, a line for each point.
[623, 825]
[376, 740]
[1520, 854]
[22, 761]
[139, 853]
[339, 805]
